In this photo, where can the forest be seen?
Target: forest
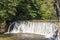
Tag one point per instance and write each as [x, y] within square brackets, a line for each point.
[27, 10]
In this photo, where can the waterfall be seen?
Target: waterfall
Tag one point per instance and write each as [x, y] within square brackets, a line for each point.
[42, 28]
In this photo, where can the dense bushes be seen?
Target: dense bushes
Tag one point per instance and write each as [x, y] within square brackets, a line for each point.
[27, 10]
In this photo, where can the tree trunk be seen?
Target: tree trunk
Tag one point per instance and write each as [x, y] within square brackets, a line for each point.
[57, 8]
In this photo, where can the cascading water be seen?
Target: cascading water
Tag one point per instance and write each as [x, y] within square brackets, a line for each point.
[42, 28]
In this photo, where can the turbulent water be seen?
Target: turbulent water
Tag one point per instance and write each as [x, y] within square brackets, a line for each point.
[42, 28]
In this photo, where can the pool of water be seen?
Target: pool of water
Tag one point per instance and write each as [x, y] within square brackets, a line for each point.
[22, 36]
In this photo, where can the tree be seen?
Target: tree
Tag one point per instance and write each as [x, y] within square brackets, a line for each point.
[47, 10]
[57, 8]
[36, 9]
[6, 10]
[26, 9]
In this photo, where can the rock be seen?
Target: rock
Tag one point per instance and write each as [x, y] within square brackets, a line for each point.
[2, 27]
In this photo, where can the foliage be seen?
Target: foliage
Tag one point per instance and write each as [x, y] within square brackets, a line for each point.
[47, 10]
[27, 10]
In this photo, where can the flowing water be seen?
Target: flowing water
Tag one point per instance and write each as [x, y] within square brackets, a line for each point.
[42, 28]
